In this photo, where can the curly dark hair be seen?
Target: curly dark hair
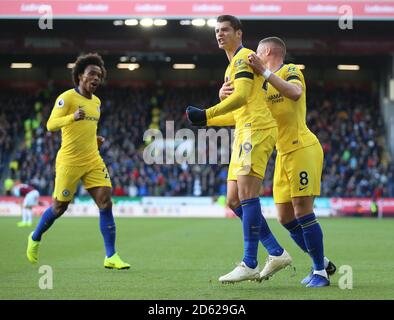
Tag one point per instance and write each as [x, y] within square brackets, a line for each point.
[83, 61]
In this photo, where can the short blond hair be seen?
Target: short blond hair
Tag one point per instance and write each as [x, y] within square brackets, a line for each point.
[278, 42]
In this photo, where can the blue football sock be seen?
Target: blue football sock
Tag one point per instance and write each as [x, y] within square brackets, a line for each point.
[313, 237]
[108, 230]
[251, 222]
[47, 219]
[269, 241]
[238, 212]
[296, 234]
[266, 237]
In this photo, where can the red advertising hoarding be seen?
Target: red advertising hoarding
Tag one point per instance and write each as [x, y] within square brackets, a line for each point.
[362, 207]
[12, 206]
[247, 9]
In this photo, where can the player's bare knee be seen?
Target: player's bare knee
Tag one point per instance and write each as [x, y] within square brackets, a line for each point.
[233, 203]
[246, 195]
[302, 206]
[302, 210]
[59, 208]
[105, 202]
[282, 220]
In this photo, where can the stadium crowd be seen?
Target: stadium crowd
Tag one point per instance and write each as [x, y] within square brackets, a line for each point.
[347, 121]
[14, 109]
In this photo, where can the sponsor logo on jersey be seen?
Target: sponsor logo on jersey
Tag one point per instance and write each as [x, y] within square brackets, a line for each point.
[66, 193]
[240, 65]
[275, 98]
[238, 62]
[291, 69]
[247, 146]
[60, 103]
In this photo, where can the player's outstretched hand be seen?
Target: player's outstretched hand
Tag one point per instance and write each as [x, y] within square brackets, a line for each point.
[226, 89]
[196, 116]
[100, 141]
[79, 114]
[256, 63]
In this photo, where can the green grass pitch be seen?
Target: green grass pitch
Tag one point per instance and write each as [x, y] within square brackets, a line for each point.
[182, 259]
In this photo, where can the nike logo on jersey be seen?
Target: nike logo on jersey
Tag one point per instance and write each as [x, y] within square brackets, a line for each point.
[303, 188]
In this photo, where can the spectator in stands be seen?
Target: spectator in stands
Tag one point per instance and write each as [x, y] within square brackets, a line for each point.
[347, 122]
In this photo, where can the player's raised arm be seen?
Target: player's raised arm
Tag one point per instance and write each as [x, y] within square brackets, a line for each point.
[242, 83]
[225, 120]
[61, 117]
[220, 121]
[288, 88]
[197, 118]
[242, 89]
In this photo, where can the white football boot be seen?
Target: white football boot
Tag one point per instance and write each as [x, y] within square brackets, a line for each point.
[241, 273]
[274, 264]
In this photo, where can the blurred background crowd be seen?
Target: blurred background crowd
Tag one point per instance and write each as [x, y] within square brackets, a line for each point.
[347, 121]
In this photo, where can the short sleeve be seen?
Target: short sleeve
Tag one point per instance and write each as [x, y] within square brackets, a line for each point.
[242, 69]
[293, 74]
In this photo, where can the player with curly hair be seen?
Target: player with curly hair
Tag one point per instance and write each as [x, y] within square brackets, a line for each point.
[76, 113]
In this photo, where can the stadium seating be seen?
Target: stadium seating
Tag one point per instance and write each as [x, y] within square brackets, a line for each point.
[347, 121]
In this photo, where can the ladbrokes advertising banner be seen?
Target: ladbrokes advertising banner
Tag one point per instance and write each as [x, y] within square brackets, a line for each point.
[247, 9]
[362, 207]
[184, 207]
